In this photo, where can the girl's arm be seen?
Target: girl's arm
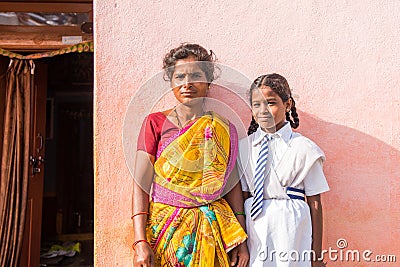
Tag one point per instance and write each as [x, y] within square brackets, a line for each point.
[314, 202]
[143, 176]
[240, 254]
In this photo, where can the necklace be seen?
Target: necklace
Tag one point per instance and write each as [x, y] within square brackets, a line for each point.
[177, 118]
[179, 121]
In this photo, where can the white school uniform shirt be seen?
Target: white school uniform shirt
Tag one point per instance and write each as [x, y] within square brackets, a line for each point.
[284, 225]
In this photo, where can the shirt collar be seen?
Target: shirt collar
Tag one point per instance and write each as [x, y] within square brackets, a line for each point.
[285, 133]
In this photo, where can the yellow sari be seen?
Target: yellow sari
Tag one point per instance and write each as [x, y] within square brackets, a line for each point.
[189, 223]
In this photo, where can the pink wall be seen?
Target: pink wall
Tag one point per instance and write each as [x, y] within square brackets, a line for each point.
[341, 59]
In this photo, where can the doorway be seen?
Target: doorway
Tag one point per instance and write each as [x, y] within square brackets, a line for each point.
[68, 195]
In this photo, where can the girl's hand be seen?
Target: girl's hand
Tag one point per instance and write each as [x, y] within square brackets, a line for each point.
[240, 255]
[143, 256]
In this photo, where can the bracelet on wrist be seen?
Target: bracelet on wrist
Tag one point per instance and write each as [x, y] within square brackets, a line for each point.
[240, 213]
[139, 241]
[140, 213]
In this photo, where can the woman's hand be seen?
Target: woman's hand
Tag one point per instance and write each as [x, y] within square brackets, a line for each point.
[240, 255]
[143, 256]
[318, 264]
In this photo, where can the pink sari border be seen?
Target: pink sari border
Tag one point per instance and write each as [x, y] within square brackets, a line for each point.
[172, 198]
[169, 221]
[172, 138]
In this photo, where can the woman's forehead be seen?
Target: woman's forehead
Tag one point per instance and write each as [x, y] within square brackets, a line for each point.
[187, 66]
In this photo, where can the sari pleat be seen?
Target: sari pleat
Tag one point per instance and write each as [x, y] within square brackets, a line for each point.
[193, 237]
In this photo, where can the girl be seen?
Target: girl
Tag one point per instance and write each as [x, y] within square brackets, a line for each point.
[282, 170]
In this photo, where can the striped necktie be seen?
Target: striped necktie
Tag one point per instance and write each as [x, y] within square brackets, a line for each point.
[256, 207]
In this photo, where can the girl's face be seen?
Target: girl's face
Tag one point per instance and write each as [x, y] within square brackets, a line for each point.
[188, 80]
[269, 111]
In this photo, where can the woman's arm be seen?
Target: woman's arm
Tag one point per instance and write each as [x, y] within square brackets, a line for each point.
[143, 176]
[314, 202]
[240, 254]
[246, 195]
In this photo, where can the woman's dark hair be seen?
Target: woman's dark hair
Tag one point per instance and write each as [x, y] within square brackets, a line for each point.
[280, 86]
[186, 50]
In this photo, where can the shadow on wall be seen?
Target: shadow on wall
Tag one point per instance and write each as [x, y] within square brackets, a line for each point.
[363, 174]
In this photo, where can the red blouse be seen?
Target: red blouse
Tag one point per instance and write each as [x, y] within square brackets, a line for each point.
[156, 130]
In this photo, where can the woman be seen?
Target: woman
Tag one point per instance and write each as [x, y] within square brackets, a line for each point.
[187, 156]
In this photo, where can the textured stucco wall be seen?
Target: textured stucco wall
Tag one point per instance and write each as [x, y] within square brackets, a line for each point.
[340, 57]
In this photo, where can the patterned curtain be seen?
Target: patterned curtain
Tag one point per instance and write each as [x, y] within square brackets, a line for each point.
[15, 159]
[15, 147]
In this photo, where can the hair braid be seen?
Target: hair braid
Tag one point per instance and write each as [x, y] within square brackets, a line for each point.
[253, 127]
[293, 113]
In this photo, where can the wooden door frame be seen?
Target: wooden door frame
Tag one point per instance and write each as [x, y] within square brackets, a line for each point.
[40, 38]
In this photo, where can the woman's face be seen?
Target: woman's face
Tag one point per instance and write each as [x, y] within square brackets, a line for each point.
[269, 111]
[188, 81]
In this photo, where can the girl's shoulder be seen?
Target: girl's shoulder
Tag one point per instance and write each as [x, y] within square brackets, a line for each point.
[300, 139]
[246, 140]
[305, 145]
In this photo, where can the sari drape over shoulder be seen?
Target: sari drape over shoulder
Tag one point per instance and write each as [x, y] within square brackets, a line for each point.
[189, 223]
